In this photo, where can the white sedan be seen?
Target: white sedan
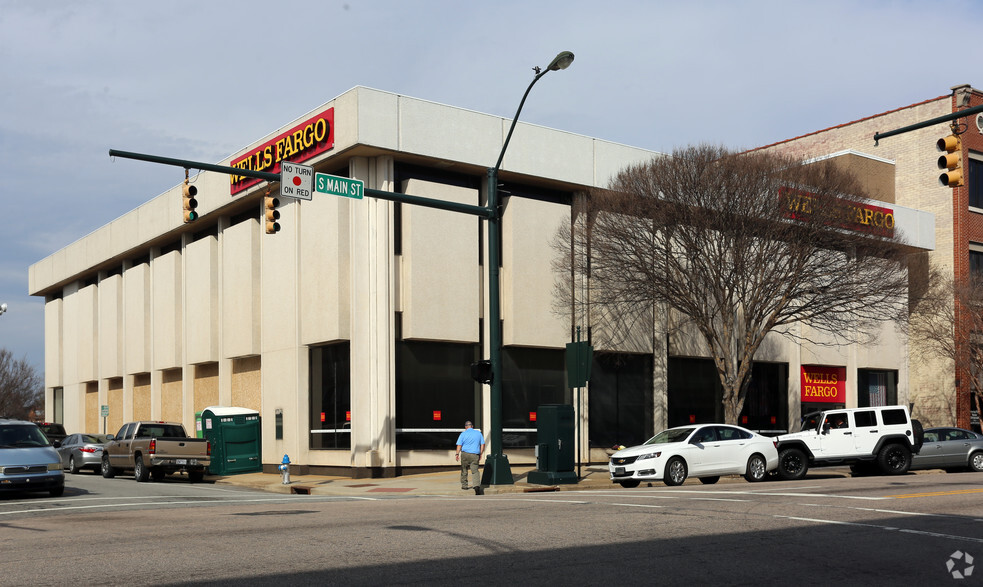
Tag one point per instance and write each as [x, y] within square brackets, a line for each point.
[706, 451]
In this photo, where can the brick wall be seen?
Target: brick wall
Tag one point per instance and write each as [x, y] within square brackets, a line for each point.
[931, 381]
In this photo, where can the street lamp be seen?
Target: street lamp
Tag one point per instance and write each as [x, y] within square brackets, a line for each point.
[497, 470]
[3, 308]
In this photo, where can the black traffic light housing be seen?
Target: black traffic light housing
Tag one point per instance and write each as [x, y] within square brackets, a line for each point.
[481, 371]
[270, 213]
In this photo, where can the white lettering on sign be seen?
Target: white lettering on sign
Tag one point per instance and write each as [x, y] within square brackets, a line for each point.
[338, 186]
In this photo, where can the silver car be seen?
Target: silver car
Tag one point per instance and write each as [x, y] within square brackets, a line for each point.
[27, 461]
[82, 451]
[952, 449]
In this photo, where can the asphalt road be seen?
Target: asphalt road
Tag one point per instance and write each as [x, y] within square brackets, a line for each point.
[869, 530]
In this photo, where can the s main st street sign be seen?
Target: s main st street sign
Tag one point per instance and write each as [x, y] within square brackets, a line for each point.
[338, 186]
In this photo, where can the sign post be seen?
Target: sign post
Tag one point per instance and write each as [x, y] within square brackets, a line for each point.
[104, 412]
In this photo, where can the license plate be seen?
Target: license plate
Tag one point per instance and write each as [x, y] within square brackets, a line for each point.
[619, 471]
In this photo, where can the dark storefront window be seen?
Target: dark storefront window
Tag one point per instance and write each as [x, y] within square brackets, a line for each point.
[330, 375]
[694, 392]
[766, 406]
[876, 388]
[530, 378]
[620, 405]
[695, 395]
[435, 394]
[975, 182]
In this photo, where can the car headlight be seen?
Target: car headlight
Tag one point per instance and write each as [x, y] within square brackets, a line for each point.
[651, 455]
[54, 466]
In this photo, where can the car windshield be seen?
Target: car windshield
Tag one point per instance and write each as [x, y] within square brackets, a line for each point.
[21, 435]
[810, 421]
[671, 435]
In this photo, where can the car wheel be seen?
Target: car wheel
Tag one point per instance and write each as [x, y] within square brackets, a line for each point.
[976, 461]
[709, 480]
[894, 459]
[757, 468]
[57, 491]
[630, 483]
[675, 472]
[792, 464]
[72, 466]
[196, 476]
[140, 472]
[108, 471]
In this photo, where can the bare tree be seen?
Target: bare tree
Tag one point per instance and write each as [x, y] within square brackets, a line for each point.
[947, 322]
[21, 387]
[740, 245]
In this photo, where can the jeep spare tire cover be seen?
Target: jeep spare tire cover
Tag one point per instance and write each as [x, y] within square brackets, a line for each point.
[919, 433]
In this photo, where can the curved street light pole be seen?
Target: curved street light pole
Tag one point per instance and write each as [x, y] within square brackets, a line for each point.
[497, 470]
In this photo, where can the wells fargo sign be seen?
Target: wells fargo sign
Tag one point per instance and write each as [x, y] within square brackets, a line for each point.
[799, 205]
[309, 138]
[823, 384]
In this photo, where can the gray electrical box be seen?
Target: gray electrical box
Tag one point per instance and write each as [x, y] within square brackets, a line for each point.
[555, 449]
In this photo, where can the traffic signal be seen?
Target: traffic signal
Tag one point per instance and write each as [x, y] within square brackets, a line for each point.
[481, 371]
[190, 203]
[951, 161]
[272, 214]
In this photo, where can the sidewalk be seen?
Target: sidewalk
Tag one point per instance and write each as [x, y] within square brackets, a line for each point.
[442, 483]
[449, 483]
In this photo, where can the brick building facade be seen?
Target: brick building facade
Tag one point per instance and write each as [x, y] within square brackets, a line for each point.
[939, 388]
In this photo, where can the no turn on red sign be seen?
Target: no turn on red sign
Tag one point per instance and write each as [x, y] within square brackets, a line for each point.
[296, 181]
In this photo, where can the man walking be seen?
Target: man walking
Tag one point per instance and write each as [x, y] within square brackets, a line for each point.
[470, 445]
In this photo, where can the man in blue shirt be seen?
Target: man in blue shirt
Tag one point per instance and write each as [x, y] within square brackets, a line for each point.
[470, 445]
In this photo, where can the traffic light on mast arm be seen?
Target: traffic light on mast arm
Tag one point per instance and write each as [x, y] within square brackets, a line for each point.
[190, 203]
[951, 161]
[270, 213]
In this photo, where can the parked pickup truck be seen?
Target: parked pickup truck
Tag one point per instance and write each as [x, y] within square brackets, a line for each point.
[153, 449]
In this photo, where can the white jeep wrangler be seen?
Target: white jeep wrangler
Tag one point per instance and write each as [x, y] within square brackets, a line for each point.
[883, 436]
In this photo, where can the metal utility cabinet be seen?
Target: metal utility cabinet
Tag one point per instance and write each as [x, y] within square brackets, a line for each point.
[554, 446]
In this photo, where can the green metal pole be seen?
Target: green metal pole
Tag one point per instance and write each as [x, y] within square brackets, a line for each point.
[497, 470]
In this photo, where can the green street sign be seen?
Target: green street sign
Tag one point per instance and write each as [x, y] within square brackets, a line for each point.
[338, 186]
[104, 410]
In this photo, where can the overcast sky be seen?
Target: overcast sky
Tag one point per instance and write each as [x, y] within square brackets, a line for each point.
[200, 80]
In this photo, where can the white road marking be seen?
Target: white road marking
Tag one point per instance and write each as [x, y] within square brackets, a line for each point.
[186, 502]
[887, 528]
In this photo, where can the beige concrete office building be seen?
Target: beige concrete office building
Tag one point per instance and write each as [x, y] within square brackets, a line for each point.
[353, 328]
